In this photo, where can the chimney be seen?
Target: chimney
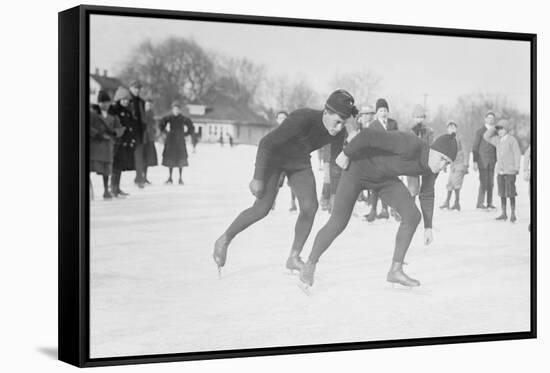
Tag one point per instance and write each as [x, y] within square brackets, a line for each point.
[97, 70]
[104, 72]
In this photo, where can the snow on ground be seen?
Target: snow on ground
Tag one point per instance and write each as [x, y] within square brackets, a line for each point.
[155, 289]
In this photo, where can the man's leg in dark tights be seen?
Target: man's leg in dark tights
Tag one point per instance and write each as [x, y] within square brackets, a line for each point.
[344, 200]
[303, 184]
[260, 208]
[397, 196]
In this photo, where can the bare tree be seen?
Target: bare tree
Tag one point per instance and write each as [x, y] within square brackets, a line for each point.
[175, 69]
[361, 84]
[239, 78]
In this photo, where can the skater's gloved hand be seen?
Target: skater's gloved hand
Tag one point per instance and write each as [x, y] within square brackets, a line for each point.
[342, 161]
[257, 188]
[475, 167]
[428, 236]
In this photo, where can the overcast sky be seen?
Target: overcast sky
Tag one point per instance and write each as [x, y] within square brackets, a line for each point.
[409, 65]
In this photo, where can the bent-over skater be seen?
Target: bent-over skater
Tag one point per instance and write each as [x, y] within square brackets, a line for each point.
[375, 160]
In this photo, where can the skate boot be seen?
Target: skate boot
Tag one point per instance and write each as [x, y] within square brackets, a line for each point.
[513, 218]
[491, 207]
[147, 182]
[122, 193]
[293, 207]
[397, 276]
[306, 277]
[456, 206]
[107, 195]
[481, 207]
[383, 214]
[220, 252]
[180, 182]
[169, 181]
[294, 263]
[371, 216]
[445, 205]
[502, 217]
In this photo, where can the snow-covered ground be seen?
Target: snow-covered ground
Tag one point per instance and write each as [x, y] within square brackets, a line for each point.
[155, 288]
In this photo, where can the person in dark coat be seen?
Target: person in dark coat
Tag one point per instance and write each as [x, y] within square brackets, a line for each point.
[287, 150]
[125, 145]
[137, 108]
[105, 128]
[176, 127]
[151, 129]
[485, 159]
[382, 123]
[375, 159]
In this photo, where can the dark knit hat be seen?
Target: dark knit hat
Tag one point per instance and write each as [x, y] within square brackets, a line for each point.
[103, 96]
[380, 103]
[342, 103]
[447, 145]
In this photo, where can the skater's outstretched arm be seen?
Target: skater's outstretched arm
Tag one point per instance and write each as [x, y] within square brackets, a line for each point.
[394, 142]
[289, 129]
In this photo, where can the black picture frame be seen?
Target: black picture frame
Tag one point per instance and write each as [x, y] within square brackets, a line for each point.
[74, 196]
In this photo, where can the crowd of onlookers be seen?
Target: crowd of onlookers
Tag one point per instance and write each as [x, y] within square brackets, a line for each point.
[496, 154]
[123, 132]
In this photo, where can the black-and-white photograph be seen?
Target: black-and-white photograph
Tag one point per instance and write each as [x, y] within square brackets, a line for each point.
[258, 186]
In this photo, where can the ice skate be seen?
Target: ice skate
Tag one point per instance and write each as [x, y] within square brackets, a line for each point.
[180, 182]
[397, 276]
[169, 181]
[107, 195]
[444, 206]
[294, 263]
[147, 182]
[491, 207]
[220, 252]
[481, 207]
[456, 206]
[293, 208]
[371, 216]
[502, 217]
[306, 277]
[383, 214]
[513, 218]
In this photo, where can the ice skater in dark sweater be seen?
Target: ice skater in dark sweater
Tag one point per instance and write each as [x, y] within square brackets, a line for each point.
[375, 160]
[287, 150]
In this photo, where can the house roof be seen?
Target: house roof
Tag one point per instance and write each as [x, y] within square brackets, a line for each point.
[221, 107]
[106, 82]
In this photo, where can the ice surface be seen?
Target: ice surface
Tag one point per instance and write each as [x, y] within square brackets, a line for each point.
[155, 288]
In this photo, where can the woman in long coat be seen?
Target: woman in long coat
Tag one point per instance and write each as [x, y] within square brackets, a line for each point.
[104, 130]
[175, 126]
[459, 168]
[125, 145]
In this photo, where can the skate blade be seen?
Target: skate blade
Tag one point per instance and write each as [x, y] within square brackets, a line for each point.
[395, 286]
[306, 289]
